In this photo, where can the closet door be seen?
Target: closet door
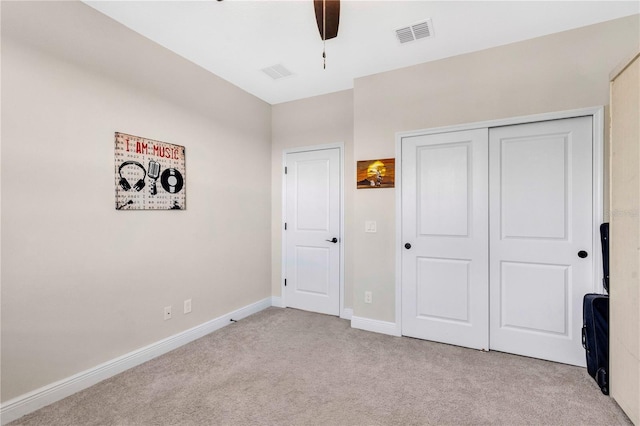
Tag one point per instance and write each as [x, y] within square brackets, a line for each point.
[540, 237]
[445, 238]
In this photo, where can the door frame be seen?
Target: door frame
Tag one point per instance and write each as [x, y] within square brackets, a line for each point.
[283, 246]
[597, 114]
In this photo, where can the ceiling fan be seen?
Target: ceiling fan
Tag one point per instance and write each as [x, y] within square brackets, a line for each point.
[328, 20]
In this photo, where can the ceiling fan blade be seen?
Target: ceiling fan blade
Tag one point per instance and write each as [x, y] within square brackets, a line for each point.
[332, 17]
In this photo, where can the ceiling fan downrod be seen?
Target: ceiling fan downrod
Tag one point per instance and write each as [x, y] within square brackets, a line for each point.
[324, 34]
[328, 19]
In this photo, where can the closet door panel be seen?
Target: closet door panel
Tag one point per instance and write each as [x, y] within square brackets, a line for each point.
[540, 219]
[445, 238]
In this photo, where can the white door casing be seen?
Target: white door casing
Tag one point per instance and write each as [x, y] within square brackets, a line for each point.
[312, 217]
[541, 217]
[445, 221]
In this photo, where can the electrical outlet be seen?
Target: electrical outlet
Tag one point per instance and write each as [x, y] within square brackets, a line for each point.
[187, 306]
[167, 313]
[368, 297]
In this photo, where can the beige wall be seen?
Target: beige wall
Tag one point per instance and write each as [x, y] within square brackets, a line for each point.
[83, 283]
[319, 120]
[563, 71]
[624, 342]
[88, 283]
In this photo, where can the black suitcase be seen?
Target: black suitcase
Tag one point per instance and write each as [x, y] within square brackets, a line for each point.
[604, 239]
[595, 330]
[595, 338]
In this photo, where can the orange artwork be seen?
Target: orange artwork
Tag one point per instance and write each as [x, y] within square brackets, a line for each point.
[376, 173]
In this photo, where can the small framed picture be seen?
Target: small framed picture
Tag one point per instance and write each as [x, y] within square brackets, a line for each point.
[376, 173]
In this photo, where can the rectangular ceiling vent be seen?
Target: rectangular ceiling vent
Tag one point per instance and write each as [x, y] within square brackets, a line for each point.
[277, 72]
[415, 32]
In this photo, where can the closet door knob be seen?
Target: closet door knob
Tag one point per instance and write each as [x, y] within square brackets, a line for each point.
[407, 246]
[582, 254]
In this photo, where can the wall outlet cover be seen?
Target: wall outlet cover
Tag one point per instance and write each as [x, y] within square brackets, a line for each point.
[370, 226]
[368, 297]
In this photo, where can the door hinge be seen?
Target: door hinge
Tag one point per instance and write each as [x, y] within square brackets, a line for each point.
[285, 226]
[285, 170]
[285, 282]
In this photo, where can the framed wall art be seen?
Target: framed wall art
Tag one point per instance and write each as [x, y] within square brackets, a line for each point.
[149, 174]
[376, 173]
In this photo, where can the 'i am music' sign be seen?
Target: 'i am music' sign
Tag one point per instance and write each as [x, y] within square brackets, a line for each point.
[149, 174]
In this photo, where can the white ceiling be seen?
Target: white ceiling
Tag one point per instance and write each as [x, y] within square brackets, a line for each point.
[235, 39]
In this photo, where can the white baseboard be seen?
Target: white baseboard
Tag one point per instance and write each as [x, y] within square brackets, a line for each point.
[376, 326]
[32, 401]
[347, 313]
[277, 301]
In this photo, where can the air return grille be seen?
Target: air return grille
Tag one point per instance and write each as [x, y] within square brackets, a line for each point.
[277, 71]
[415, 32]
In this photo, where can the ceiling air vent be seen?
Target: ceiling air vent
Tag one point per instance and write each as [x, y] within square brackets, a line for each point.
[415, 32]
[277, 71]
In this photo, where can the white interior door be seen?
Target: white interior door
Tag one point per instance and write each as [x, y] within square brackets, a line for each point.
[312, 236]
[541, 218]
[445, 237]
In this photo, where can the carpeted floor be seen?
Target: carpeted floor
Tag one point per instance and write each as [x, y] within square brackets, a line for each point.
[289, 367]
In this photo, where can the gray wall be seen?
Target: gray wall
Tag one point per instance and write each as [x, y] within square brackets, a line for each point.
[83, 283]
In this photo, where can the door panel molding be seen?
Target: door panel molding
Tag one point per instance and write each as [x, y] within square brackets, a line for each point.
[597, 114]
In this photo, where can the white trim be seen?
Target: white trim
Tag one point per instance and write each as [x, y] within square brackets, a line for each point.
[342, 225]
[277, 302]
[34, 400]
[398, 184]
[375, 326]
[598, 197]
[598, 181]
[283, 270]
[283, 233]
[347, 313]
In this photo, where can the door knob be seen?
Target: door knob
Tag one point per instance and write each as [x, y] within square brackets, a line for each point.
[333, 240]
[582, 254]
[407, 246]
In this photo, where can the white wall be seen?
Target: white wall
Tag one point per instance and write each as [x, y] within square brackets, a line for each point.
[563, 71]
[319, 120]
[83, 283]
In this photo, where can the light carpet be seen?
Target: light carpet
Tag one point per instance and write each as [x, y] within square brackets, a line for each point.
[290, 367]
